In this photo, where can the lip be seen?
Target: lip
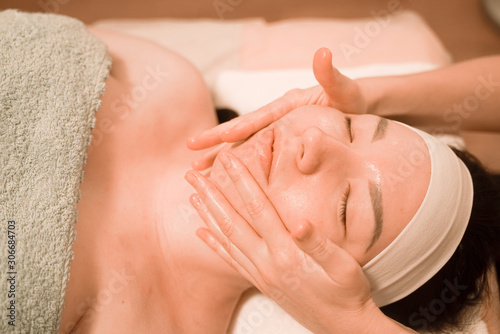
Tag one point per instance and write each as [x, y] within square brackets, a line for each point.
[266, 140]
[275, 148]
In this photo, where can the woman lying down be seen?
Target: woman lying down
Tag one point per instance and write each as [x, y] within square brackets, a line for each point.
[354, 223]
[351, 222]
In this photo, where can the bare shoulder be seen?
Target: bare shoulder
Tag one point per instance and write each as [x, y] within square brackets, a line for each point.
[135, 58]
[149, 77]
[136, 50]
[153, 100]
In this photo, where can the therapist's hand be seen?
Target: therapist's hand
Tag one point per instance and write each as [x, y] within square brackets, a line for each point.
[314, 280]
[334, 90]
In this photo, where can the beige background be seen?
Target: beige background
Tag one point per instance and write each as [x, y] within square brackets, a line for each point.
[462, 25]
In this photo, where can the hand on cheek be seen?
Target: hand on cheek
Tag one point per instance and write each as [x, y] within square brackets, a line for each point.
[310, 277]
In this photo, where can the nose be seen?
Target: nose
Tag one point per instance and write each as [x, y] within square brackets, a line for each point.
[318, 148]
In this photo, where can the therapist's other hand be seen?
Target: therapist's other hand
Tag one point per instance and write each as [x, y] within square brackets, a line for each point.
[334, 90]
[314, 280]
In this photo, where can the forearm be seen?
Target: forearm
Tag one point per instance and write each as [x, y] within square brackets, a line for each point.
[463, 96]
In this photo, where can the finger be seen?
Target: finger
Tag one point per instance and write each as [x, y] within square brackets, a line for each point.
[265, 220]
[218, 214]
[210, 137]
[207, 217]
[248, 271]
[243, 127]
[206, 161]
[340, 91]
[326, 74]
[334, 260]
[208, 158]
[262, 117]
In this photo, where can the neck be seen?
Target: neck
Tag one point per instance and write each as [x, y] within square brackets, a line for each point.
[196, 290]
[191, 301]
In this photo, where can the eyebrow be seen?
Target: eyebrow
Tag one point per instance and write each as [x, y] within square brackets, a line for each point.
[380, 130]
[376, 196]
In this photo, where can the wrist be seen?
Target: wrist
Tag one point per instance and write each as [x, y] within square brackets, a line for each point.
[399, 98]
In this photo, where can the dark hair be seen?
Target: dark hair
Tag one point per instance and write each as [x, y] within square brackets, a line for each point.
[444, 301]
[224, 114]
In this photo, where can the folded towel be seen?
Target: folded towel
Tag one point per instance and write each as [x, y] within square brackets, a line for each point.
[52, 75]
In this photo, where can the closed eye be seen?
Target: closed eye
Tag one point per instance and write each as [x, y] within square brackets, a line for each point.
[348, 127]
[343, 206]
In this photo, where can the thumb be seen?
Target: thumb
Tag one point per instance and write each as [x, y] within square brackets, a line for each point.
[323, 68]
[334, 260]
[334, 83]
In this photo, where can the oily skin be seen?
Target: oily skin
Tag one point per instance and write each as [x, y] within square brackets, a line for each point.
[314, 163]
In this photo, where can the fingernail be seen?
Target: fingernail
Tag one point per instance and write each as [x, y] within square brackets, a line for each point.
[225, 134]
[225, 160]
[303, 232]
[200, 233]
[195, 200]
[190, 177]
[196, 165]
[236, 127]
[205, 235]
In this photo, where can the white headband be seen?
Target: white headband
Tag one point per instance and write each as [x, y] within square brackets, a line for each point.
[434, 233]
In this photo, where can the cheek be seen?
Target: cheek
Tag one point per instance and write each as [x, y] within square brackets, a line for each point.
[296, 206]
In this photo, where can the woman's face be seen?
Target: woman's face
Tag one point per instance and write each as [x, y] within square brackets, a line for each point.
[359, 179]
